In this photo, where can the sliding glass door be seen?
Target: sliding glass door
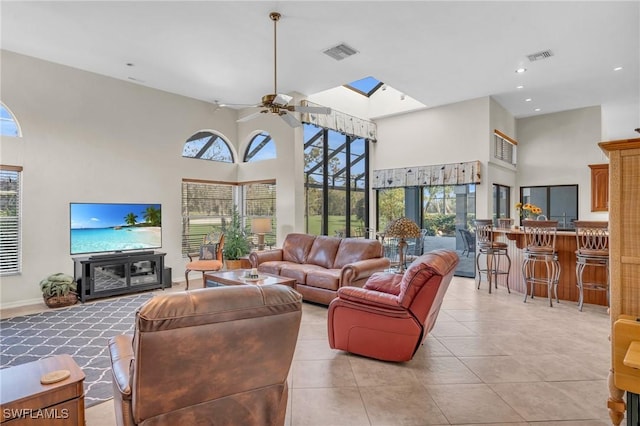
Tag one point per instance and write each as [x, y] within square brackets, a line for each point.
[446, 214]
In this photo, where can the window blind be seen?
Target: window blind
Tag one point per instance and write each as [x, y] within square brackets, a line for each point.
[10, 238]
[206, 206]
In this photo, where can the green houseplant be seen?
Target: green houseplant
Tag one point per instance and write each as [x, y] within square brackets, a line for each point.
[236, 243]
[59, 290]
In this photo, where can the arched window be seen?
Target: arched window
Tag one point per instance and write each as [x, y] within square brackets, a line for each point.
[8, 123]
[261, 147]
[207, 146]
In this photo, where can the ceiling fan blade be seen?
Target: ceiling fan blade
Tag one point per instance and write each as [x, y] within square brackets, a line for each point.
[311, 110]
[290, 119]
[250, 116]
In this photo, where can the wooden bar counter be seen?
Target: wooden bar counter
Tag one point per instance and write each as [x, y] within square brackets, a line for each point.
[567, 285]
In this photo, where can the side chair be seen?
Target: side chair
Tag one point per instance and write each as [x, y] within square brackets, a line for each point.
[209, 258]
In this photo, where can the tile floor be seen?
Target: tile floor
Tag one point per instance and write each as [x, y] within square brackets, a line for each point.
[491, 359]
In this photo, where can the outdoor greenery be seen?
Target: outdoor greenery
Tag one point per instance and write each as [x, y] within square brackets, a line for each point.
[440, 224]
[236, 243]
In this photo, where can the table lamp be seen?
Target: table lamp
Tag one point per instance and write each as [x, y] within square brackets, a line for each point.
[260, 226]
[402, 228]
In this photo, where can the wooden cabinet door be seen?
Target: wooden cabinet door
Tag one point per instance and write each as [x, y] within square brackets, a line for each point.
[599, 187]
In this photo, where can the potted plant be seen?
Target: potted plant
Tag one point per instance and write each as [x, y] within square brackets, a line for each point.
[236, 244]
[59, 290]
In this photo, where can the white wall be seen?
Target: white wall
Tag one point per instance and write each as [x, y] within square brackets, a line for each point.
[556, 149]
[449, 134]
[88, 138]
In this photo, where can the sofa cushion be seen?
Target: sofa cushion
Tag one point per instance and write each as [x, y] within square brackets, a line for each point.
[296, 247]
[272, 266]
[299, 271]
[354, 249]
[325, 278]
[323, 251]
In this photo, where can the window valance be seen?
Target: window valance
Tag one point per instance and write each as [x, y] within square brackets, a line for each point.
[437, 174]
[341, 122]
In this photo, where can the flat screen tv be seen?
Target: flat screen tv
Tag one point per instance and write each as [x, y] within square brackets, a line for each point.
[114, 227]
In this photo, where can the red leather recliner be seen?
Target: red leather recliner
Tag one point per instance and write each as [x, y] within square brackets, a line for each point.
[392, 314]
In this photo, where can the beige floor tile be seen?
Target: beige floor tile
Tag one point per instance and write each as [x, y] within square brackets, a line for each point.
[501, 369]
[442, 370]
[369, 372]
[312, 330]
[315, 349]
[328, 407]
[101, 414]
[431, 347]
[561, 367]
[472, 403]
[591, 395]
[575, 423]
[450, 328]
[325, 373]
[464, 373]
[542, 401]
[471, 346]
[401, 406]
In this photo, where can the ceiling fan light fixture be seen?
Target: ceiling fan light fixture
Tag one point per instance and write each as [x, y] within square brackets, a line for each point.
[278, 103]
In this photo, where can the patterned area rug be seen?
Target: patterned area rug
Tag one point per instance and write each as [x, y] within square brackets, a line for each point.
[81, 331]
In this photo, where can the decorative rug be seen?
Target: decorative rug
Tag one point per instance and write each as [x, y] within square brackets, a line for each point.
[82, 331]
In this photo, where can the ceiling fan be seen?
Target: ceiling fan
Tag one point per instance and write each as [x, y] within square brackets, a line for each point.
[278, 103]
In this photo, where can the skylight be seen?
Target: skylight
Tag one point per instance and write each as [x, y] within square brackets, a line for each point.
[365, 86]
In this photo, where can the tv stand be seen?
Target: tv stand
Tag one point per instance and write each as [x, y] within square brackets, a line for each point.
[118, 273]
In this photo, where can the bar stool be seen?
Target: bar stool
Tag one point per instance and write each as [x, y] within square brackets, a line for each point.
[540, 247]
[592, 243]
[493, 250]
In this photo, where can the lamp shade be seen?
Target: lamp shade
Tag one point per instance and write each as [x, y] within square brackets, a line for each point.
[402, 228]
[261, 225]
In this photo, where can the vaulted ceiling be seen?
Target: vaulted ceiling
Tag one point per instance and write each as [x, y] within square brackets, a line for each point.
[435, 52]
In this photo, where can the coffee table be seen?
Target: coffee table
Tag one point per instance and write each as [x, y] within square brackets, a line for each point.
[237, 277]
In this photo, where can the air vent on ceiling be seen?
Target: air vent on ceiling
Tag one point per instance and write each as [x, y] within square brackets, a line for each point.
[340, 52]
[540, 55]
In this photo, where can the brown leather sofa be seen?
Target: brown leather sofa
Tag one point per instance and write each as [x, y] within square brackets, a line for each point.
[321, 265]
[392, 314]
[208, 356]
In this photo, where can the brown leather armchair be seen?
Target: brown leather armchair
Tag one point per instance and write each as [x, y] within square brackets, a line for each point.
[392, 314]
[208, 356]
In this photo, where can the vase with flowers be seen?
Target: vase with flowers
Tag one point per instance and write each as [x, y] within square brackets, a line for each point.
[528, 211]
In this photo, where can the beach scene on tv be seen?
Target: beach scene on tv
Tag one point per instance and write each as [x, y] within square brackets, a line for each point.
[99, 227]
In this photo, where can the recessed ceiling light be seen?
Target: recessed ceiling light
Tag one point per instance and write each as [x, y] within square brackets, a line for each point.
[617, 68]
[521, 70]
[537, 109]
[520, 87]
[528, 100]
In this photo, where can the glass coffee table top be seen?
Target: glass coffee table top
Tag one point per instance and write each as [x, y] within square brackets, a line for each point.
[241, 276]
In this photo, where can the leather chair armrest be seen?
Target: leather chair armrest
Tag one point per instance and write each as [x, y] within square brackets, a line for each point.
[121, 353]
[362, 269]
[258, 257]
[385, 282]
[370, 298]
